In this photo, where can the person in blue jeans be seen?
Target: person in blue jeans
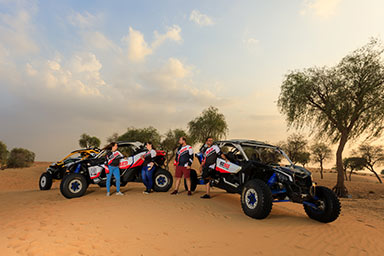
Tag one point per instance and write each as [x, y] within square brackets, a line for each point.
[113, 160]
[148, 167]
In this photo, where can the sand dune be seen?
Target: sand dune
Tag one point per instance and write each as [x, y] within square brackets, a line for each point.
[34, 222]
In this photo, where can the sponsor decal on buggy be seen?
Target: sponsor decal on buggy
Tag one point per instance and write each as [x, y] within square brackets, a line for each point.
[226, 167]
[95, 171]
[131, 161]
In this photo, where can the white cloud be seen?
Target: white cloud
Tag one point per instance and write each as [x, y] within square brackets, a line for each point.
[200, 19]
[138, 48]
[174, 83]
[98, 40]
[74, 89]
[320, 8]
[78, 76]
[173, 34]
[82, 20]
[177, 69]
[15, 33]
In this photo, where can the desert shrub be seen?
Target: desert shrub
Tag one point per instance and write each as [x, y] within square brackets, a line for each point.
[3, 154]
[20, 157]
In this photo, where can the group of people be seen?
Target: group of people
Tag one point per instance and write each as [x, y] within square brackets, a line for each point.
[183, 162]
[184, 159]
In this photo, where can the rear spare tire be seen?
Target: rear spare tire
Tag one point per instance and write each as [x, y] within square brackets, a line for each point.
[162, 180]
[328, 206]
[256, 199]
[73, 185]
[194, 181]
[45, 181]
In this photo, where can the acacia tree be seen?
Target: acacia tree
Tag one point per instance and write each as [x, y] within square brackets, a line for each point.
[136, 134]
[113, 138]
[320, 153]
[141, 134]
[3, 154]
[372, 156]
[338, 103]
[171, 142]
[209, 123]
[354, 164]
[87, 141]
[296, 149]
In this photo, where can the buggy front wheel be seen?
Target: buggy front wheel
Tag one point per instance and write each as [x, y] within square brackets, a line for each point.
[256, 199]
[162, 180]
[326, 206]
[73, 185]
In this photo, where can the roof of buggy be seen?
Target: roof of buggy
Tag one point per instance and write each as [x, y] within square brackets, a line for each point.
[247, 142]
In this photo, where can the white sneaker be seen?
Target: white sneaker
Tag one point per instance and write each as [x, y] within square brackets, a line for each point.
[108, 194]
[119, 193]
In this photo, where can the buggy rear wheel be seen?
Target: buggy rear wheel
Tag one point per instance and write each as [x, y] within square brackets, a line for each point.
[45, 181]
[256, 199]
[73, 185]
[326, 208]
[194, 181]
[163, 180]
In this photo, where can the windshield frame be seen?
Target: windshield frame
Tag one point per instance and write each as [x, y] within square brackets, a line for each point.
[239, 146]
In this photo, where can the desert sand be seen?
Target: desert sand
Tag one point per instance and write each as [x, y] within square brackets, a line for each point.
[34, 222]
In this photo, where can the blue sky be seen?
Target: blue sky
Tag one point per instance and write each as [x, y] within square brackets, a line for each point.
[68, 67]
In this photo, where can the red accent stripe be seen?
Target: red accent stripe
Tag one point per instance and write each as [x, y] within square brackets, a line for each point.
[160, 153]
[138, 163]
[94, 177]
[221, 170]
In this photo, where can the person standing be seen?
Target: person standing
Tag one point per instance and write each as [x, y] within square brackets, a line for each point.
[183, 163]
[113, 160]
[148, 167]
[208, 165]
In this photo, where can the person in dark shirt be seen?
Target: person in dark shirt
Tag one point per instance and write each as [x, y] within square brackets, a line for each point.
[113, 161]
[183, 162]
[148, 167]
[208, 165]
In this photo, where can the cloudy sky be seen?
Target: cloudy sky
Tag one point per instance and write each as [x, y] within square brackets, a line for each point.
[68, 67]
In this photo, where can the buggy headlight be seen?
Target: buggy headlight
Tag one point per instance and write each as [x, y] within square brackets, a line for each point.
[282, 178]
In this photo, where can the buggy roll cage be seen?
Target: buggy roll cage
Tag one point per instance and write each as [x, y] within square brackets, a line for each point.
[253, 143]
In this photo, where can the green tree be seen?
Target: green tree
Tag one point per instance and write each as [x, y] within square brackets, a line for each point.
[209, 123]
[170, 143]
[113, 138]
[340, 102]
[320, 153]
[3, 154]
[141, 134]
[372, 155]
[382, 172]
[296, 149]
[87, 141]
[353, 164]
[20, 157]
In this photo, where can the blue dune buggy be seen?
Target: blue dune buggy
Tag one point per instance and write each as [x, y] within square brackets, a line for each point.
[263, 174]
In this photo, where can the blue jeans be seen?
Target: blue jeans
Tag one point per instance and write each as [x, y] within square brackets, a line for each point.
[147, 176]
[116, 172]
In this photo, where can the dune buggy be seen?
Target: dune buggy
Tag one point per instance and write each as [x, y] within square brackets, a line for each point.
[56, 171]
[254, 172]
[93, 171]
